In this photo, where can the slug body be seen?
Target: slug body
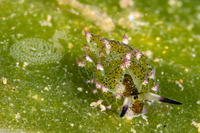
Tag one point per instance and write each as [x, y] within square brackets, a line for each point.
[120, 74]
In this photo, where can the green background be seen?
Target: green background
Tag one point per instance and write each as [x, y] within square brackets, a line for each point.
[170, 30]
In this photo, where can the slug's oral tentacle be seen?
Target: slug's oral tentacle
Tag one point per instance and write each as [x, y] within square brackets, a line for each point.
[151, 96]
[127, 103]
[167, 100]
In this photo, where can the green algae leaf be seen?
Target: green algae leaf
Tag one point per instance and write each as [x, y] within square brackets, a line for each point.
[50, 94]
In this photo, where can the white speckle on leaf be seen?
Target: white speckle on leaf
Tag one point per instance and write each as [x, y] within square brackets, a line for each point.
[46, 88]
[17, 116]
[102, 107]
[71, 124]
[80, 89]
[4, 80]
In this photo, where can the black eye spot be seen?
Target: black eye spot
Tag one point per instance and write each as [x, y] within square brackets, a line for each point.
[136, 97]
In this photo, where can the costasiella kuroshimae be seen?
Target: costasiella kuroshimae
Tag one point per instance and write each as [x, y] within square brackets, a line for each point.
[120, 75]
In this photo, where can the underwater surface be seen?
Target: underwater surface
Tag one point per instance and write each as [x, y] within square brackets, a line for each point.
[42, 89]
